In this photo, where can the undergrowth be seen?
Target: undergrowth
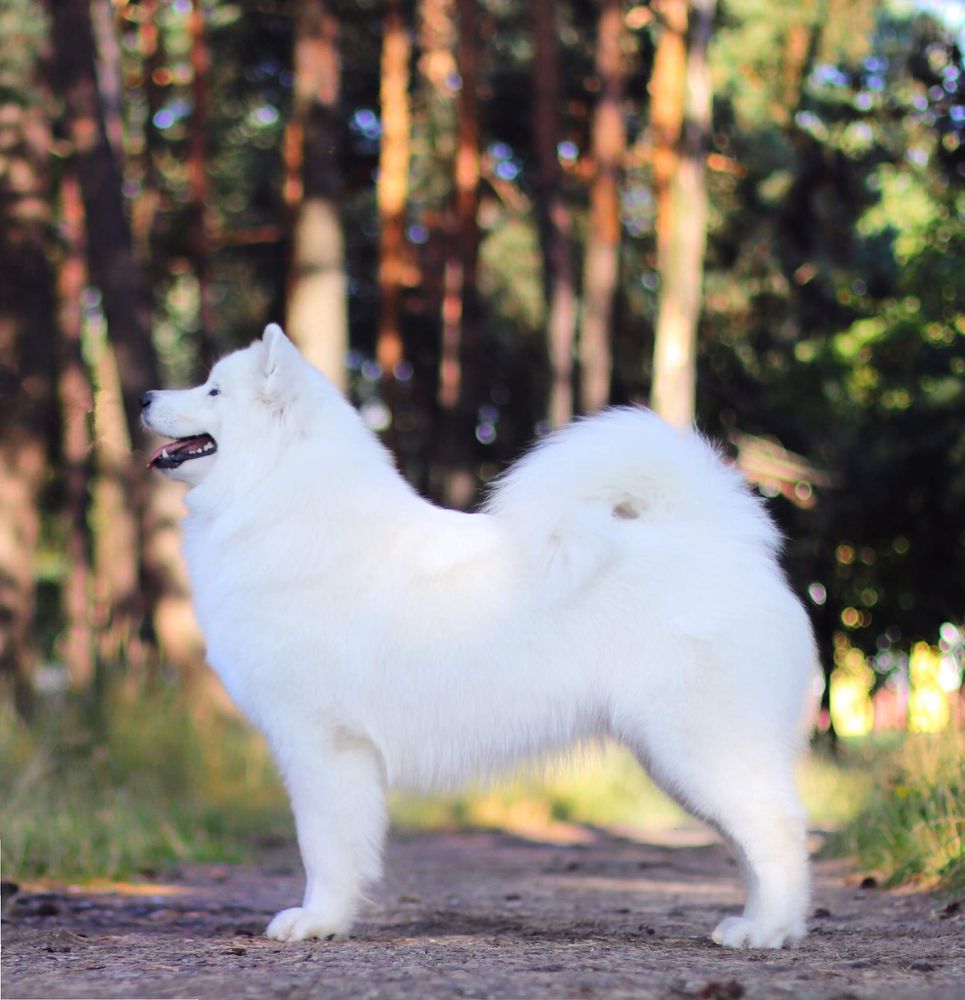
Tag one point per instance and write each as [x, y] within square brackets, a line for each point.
[132, 785]
[911, 827]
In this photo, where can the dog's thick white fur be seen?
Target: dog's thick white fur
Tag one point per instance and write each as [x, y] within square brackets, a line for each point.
[621, 581]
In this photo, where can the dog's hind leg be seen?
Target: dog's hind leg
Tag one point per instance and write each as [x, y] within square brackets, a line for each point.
[745, 789]
[338, 798]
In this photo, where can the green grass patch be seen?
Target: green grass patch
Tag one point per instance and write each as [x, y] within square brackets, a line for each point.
[911, 826]
[134, 787]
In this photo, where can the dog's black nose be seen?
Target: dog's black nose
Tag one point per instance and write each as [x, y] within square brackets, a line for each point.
[146, 400]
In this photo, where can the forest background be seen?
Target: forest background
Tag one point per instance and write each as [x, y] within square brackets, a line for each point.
[480, 218]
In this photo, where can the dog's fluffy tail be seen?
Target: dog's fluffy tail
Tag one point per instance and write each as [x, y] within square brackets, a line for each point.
[565, 500]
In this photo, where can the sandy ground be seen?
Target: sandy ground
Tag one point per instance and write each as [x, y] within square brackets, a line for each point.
[483, 915]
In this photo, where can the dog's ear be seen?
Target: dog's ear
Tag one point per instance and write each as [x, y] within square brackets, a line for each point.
[283, 368]
[280, 353]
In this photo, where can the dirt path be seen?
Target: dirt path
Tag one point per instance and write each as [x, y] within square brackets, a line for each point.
[484, 915]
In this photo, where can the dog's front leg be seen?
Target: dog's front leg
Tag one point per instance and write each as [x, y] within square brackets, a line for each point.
[338, 798]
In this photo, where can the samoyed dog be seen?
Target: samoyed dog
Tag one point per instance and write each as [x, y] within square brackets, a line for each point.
[621, 581]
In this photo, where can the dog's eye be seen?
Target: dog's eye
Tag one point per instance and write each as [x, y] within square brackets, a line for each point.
[214, 392]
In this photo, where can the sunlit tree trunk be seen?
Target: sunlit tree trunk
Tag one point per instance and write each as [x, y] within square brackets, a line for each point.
[667, 90]
[458, 322]
[434, 133]
[127, 304]
[26, 381]
[76, 407]
[198, 181]
[114, 521]
[172, 614]
[675, 349]
[317, 295]
[458, 386]
[602, 254]
[554, 216]
[108, 67]
[392, 192]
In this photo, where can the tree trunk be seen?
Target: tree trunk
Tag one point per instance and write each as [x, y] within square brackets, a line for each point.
[553, 214]
[127, 303]
[317, 296]
[391, 195]
[76, 406]
[681, 278]
[438, 40]
[108, 68]
[434, 116]
[115, 527]
[26, 382]
[602, 259]
[145, 206]
[459, 364]
[198, 183]
[667, 91]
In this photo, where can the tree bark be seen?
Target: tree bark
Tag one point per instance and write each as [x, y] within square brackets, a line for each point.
[393, 183]
[317, 295]
[458, 371]
[602, 256]
[27, 340]
[553, 215]
[667, 91]
[434, 132]
[198, 183]
[126, 301]
[145, 207]
[76, 406]
[391, 195]
[438, 41]
[675, 348]
[115, 522]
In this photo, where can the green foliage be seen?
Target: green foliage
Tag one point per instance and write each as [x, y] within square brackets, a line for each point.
[131, 785]
[912, 825]
[834, 288]
[516, 297]
[23, 24]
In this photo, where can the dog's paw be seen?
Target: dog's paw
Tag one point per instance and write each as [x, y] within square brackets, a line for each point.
[298, 924]
[739, 932]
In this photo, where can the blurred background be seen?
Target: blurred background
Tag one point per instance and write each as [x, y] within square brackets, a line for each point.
[480, 218]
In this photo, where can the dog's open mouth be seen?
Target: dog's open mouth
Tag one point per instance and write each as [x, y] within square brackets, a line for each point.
[175, 453]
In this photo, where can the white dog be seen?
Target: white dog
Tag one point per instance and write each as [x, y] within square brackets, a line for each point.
[621, 581]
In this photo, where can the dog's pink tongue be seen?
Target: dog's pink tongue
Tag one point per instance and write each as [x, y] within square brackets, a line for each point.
[172, 446]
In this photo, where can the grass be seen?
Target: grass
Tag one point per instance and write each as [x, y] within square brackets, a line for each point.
[910, 828]
[145, 783]
[134, 788]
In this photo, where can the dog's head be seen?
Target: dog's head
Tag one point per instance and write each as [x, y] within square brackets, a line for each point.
[250, 397]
